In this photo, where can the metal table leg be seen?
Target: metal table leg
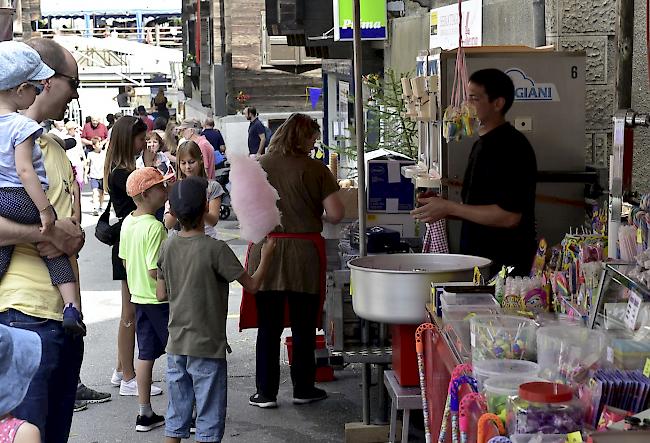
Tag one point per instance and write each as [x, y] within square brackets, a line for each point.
[405, 425]
[365, 392]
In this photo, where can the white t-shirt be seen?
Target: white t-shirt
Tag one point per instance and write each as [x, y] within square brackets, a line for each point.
[96, 164]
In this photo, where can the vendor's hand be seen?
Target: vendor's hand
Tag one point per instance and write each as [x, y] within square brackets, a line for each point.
[66, 238]
[268, 247]
[431, 209]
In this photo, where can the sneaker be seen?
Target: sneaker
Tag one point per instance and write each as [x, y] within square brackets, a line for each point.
[80, 405]
[90, 395]
[262, 402]
[72, 322]
[131, 388]
[313, 395]
[146, 423]
[116, 378]
[193, 426]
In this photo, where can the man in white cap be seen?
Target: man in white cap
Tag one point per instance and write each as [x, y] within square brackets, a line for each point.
[27, 298]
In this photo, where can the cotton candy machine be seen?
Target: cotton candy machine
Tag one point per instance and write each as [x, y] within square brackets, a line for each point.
[394, 288]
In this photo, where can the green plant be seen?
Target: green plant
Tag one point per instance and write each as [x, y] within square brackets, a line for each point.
[386, 123]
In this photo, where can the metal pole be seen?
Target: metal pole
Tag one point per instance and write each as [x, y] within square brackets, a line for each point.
[624, 45]
[360, 128]
[539, 23]
[361, 173]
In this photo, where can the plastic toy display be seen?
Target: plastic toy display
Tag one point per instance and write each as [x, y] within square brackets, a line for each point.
[503, 337]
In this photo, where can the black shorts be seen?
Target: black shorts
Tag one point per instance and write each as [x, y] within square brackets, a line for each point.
[151, 329]
[119, 272]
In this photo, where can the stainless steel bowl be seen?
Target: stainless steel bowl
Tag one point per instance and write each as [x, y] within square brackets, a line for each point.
[395, 288]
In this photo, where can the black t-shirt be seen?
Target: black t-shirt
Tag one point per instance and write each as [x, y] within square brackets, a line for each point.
[254, 130]
[123, 205]
[502, 170]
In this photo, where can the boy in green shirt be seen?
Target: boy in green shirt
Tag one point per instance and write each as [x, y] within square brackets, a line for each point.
[140, 240]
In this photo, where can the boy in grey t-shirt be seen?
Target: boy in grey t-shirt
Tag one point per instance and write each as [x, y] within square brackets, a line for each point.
[194, 272]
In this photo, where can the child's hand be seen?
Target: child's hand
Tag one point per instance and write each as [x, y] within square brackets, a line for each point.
[47, 220]
[268, 248]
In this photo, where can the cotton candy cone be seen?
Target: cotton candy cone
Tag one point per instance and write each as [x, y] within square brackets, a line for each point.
[253, 198]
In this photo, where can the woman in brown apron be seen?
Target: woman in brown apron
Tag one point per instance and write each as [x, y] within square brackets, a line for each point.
[294, 289]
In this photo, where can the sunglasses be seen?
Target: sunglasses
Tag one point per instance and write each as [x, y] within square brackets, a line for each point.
[73, 81]
[38, 87]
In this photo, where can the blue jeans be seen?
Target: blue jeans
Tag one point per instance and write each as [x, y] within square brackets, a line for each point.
[200, 380]
[51, 394]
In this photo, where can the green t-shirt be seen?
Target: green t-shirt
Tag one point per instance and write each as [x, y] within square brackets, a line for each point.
[197, 271]
[140, 240]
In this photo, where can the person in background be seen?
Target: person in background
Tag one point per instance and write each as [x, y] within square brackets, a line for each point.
[141, 238]
[159, 102]
[77, 154]
[96, 160]
[170, 141]
[213, 135]
[95, 128]
[191, 129]
[21, 355]
[127, 142]
[124, 97]
[498, 196]
[256, 133]
[58, 129]
[160, 123]
[110, 119]
[190, 164]
[155, 145]
[142, 113]
[308, 195]
[193, 274]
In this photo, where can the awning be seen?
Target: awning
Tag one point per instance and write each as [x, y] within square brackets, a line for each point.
[76, 8]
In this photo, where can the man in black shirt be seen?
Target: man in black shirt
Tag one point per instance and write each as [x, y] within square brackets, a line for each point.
[256, 133]
[498, 196]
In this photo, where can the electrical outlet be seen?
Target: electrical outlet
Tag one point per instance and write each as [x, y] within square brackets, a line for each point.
[524, 124]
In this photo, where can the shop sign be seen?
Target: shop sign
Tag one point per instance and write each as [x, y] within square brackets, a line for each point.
[443, 29]
[373, 20]
[527, 89]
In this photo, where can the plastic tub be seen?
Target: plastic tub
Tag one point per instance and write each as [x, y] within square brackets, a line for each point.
[484, 369]
[503, 337]
[546, 408]
[456, 321]
[565, 354]
[500, 388]
[464, 299]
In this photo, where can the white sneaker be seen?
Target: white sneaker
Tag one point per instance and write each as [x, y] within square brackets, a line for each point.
[116, 378]
[131, 388]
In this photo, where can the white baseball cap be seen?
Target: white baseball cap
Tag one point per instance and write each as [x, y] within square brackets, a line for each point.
[20, 63]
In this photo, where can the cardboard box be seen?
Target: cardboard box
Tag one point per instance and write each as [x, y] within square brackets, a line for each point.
[350, 199]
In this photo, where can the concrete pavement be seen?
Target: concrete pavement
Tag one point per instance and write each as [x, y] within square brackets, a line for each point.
[114, 421]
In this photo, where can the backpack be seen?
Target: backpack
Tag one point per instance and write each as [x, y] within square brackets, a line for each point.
[267, 136]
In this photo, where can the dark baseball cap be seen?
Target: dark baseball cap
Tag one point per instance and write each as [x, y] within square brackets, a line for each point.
[188, 196]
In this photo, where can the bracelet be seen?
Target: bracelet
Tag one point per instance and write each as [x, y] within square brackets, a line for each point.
[45, 208]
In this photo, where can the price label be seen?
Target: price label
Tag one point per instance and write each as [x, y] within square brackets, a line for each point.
[632, 310]
[646, 368]
[574, 437]
[610, 354]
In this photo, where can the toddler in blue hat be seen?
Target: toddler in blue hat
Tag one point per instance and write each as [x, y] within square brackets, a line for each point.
[20, 357]
[22, 174]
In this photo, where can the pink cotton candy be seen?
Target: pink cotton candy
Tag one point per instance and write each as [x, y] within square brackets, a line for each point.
[253, 198]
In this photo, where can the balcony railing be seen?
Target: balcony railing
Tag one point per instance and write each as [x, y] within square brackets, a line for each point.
[163, 36]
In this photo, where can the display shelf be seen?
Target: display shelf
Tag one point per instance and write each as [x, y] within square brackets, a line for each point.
[608, 309]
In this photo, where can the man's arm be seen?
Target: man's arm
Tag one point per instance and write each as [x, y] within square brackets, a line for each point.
[434, 209]
[260, 150]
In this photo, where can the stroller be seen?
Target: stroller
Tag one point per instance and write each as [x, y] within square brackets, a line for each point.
[222, 176]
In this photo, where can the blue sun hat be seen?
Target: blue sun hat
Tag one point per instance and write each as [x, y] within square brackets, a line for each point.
[20, 356]
[20, 63]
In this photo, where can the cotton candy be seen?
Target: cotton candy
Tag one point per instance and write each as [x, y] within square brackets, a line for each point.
[253, 198]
